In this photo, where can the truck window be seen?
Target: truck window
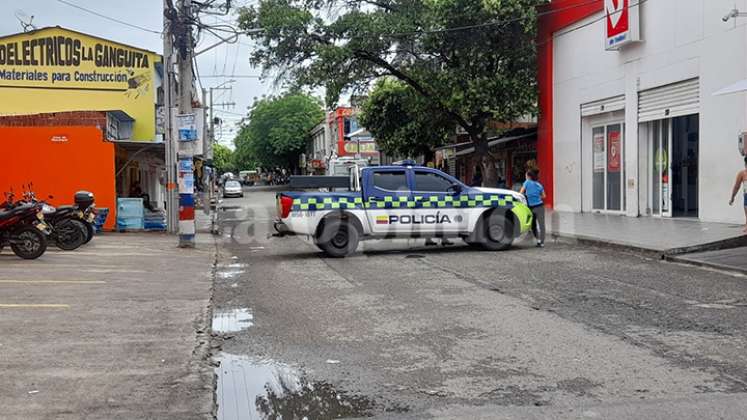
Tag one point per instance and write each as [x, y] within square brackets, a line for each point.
[431, 182]
[390, 181]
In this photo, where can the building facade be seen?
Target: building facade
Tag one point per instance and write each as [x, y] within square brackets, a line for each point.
[629, 123]
[89, 105]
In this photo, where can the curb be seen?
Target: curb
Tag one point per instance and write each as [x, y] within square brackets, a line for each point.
[706, 264]
[670, 255]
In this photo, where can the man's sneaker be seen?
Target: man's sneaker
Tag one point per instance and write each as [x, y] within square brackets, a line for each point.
[540, 245]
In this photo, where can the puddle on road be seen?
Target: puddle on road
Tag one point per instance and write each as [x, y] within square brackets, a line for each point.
[232, 320]
[264, 389]
[229, 271]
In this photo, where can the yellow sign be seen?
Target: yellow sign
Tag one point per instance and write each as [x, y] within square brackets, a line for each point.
[364, 147]
[56, 70]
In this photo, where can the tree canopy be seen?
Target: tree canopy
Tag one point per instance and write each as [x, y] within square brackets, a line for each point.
[469, 60]
[402, 122]
[222, 158]
[277, 131]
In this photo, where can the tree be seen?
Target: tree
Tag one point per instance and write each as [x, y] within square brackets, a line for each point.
[470, 61]
[403, 122]
[222, 158]
[277, 131]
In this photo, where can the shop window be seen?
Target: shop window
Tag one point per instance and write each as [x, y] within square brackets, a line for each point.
[608, 173]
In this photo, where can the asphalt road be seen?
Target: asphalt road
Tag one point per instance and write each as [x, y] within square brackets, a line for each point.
[404, 331]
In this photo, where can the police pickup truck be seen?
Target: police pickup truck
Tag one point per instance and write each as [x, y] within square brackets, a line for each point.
[403, 201]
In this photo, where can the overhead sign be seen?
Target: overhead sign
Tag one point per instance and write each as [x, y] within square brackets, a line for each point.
[362, 147]
[622, 23]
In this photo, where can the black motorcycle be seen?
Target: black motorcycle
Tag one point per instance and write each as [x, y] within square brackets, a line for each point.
[22, 227]
[67, 230]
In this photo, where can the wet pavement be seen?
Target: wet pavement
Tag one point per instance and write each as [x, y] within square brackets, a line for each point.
[406, 331]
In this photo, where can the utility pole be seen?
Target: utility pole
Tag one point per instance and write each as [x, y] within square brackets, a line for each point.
[169, 94]
[186, 127]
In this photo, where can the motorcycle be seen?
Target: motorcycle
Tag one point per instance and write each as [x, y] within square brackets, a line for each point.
[84, 201]
[67, 230]
[22, 227]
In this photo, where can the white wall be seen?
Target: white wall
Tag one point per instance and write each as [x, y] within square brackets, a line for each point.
[682, 39]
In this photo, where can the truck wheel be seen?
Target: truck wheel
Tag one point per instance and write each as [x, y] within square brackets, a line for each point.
[496, 232]
[338, 239]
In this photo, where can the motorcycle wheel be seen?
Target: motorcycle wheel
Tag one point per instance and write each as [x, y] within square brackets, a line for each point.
[89, 232]
[29, 243]
[69, 234]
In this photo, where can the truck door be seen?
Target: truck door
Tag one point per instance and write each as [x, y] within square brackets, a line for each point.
[388, 198]
[438, 206]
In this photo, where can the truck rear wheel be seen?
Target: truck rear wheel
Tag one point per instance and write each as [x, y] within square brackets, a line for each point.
[338, 238]
[496, 232]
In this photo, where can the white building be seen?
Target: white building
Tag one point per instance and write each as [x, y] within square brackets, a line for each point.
[637, 131]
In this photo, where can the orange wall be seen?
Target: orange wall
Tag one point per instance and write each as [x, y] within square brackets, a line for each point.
[59, 168]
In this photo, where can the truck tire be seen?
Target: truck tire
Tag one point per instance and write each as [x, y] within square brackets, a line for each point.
[338, 238]
[495, 232]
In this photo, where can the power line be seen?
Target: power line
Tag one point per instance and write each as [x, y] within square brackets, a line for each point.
[232, 76]
[121, 22]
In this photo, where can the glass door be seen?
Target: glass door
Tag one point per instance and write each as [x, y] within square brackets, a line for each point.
[608, 168]
[661, 173]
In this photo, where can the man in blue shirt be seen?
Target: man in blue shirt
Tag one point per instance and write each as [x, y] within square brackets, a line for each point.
[535, 193]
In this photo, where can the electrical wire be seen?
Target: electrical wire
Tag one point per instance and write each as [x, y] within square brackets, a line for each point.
[121, 22]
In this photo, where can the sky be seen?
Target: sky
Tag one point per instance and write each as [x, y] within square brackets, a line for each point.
[228, 59]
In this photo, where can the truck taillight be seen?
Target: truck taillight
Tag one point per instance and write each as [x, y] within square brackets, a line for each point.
[284, 206]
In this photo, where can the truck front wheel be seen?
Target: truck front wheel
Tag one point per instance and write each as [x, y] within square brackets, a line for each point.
[495, 232]
[338, 238]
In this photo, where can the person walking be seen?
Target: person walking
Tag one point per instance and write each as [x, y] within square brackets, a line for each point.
[741, 181]
[535, 193]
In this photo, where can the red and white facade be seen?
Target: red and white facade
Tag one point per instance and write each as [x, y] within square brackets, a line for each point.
[628, 121]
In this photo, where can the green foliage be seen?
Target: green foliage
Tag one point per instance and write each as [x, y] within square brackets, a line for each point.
[277, 131]
[222, 158]
[471, 60]
[403, 122]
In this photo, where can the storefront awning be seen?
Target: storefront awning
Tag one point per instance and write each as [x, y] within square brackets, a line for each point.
[497, 141]
[740, 86]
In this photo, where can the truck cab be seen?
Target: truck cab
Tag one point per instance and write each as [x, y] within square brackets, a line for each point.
[404, 201]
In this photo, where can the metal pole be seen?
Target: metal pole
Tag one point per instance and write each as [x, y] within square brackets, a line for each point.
[169, 92]
[186, 148]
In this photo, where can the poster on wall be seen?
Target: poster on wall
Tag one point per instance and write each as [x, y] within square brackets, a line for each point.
[187, 127]
[613, 151]
[599, 152]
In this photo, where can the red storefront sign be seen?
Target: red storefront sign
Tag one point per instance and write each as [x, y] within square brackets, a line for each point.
[622, 23]
[614, 152]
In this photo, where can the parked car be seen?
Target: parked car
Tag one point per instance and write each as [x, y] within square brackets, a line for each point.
[232, 188]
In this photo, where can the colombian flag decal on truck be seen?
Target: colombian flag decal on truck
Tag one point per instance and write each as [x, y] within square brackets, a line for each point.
[382, 220]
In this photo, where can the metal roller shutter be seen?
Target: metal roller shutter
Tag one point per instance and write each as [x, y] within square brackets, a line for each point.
[669, 101]
[601, 106]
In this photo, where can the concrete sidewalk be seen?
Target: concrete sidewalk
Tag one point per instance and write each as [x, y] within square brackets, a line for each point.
[662, 236]
[114, 330]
